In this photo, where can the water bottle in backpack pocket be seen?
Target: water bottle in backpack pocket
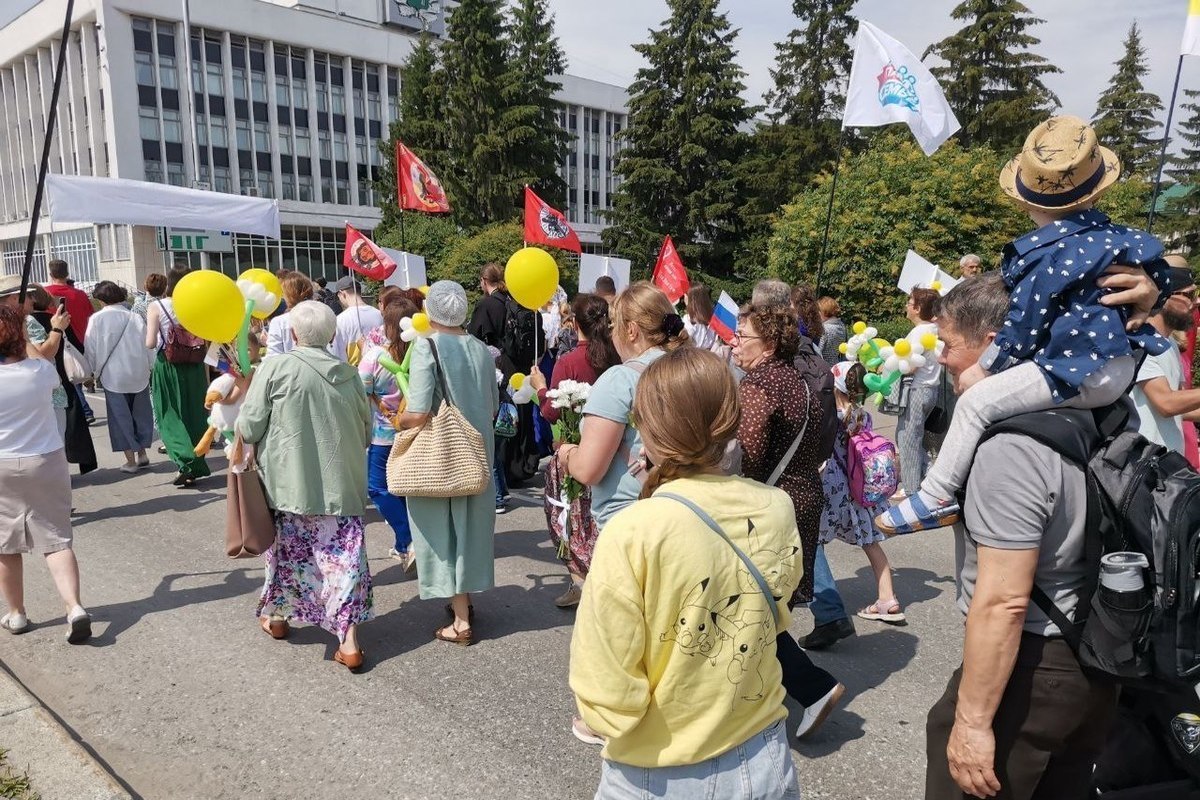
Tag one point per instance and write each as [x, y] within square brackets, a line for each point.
[871, 465]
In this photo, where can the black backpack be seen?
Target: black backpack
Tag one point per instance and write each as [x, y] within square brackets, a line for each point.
[520, 331]
[819, 377]
[1144, 498]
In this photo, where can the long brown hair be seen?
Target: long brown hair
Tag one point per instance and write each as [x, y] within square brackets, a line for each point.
[492, 275]
[396, 309]
[699, 304]
[804, 303]
[591, 317]
[645, 305]
[686, 405]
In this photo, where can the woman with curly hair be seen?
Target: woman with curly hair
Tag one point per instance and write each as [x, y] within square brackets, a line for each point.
[780, 434]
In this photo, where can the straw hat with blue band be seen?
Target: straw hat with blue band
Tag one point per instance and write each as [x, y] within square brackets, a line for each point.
[1061, 168]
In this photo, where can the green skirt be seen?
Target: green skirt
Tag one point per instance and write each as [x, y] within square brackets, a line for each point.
[177, 392]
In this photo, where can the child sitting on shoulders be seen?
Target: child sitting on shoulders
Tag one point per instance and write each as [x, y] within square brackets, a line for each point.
[1059, 344]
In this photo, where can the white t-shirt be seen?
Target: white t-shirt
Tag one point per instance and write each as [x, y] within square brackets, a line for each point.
[701, 336]
[931, 373]
[353, 324]
[27, 423]
[1167, 431]
[279, 336]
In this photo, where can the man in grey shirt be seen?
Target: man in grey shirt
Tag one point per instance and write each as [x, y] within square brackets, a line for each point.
[1019, 719]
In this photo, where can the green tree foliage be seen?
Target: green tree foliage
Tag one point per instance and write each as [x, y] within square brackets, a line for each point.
[535, 140]
[1183, 212]
[475, 62]
[892, 198]
[992, 80]
[1125, 115]
[420, 125]
[683, 143]
[496, 243]
[428, 235]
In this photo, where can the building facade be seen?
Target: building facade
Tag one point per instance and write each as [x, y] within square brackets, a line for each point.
[296, 116]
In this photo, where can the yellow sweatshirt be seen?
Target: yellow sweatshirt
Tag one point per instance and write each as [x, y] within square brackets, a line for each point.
[673, 654]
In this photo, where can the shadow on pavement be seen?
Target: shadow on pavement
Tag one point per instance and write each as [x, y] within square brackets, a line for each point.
[123, 616]
[177, 500]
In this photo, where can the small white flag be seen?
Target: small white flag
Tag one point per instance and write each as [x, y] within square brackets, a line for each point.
[1191, 31]
[889, 84]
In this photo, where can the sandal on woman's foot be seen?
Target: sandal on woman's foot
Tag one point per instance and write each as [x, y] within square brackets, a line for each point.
[351, 661]
[277, 627]
[470, 611]
[465, 637]
[918, 512]
[888, 611]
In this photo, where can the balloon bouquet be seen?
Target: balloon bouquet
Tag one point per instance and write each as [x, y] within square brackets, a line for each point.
[531, 275]
[887, 362]
[211, 305]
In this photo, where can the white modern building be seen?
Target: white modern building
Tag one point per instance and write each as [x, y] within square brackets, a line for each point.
[288, 100]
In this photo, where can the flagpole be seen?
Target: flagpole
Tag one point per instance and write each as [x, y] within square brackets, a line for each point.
[837, 164]
[1162, 156]
[403, 239]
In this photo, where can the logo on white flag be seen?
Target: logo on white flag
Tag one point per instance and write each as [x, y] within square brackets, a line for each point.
[898, 87]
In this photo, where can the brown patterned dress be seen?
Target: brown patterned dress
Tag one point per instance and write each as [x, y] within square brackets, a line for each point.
[773, 412]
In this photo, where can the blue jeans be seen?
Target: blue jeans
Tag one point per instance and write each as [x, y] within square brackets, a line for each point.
[498, 471]
[87, 409]
[394, 509]
[760, 768]
[826, 605]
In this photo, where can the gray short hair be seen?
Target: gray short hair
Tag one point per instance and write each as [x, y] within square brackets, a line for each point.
[313, 323]
[975, 307]
[771, 293]
[970, 258]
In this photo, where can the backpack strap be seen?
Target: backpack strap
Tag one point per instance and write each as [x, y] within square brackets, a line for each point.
[626, 453]
[745, 559]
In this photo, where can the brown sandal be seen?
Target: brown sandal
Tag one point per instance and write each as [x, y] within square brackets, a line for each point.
[465, 637]
[351, 661]
[277, 628]
[470, 611]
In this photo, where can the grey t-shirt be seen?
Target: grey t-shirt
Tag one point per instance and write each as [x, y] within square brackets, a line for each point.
[1023, 495]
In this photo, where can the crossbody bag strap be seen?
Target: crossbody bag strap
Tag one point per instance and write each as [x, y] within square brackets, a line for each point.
[787, 457]
[438, 375]
[745, 559]
[116, 344]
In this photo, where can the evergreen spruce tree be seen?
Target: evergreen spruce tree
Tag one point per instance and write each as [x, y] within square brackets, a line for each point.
[536, 142]
[1182, 217]
[1124, 117]
[475, 63]
[812, 66]
[992, 80]
[420, 125]
[678, 166]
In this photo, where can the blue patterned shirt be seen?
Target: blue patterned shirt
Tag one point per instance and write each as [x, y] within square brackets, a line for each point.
[1055, 317]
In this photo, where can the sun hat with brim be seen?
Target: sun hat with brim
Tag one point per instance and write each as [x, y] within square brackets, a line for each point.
[9, 284]
[1061, 168]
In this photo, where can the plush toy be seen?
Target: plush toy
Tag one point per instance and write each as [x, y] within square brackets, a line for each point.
[520, 389]
[223, 402]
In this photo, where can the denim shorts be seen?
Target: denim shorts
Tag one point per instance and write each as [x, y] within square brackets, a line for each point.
[760, 768]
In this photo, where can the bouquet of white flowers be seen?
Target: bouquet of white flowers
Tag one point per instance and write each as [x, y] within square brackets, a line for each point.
[569, 397]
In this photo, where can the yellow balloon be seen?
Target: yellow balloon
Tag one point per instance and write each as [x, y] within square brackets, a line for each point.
[267, 280]
[859, 327]
[517, 381]
[936, 286]
[425, 291]
[210, 305]
[929, 341]
[903, 348]
[531, 276]
[420, 322]
[842, 348]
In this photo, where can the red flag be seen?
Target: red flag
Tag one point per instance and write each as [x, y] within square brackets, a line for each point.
[420, 190]
[545, 225]
[365, 257]
[669, 272]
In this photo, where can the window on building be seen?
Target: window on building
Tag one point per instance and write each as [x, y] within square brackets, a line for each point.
[339, 147]
[339, 99]
[242, 129]
[215, 83]
[197, 77]
[168, 78]
[289, 187]
[176, 175]
[305, 188]
[262, 137]
[220, 133]
[241, 89]
[143, 35]
[327, 189]
[282, 93]
[104, 243]
[324, 144]
[148, 124]
[343, 191]
[121, 241]
[222, 180]
[266, 186]
[246, 177]
[299, 94]
[303, 143]
[258, 86]
[284, 141]
[144, 65]
[201, 133]
[172, 125]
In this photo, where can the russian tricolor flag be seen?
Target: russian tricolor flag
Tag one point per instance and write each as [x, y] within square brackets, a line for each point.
[724, 318]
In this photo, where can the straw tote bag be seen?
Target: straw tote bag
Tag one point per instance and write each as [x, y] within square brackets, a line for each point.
[442, 458]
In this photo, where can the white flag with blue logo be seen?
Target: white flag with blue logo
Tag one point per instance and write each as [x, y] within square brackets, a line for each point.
[889, 84]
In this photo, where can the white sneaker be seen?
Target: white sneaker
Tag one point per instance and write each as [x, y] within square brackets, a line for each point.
[14, 622]
[79, 626]
[816, 714]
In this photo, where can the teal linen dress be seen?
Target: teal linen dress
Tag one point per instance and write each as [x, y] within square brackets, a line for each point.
[453, 536]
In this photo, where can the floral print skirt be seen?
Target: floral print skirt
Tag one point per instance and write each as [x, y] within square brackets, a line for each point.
[317, 572]
[581, 539]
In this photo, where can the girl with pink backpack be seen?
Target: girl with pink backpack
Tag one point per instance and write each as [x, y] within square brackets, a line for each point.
[858, 479]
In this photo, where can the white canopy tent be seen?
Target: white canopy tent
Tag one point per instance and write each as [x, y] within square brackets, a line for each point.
[119, 201]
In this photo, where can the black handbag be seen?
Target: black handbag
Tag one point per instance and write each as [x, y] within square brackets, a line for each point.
[938, 421]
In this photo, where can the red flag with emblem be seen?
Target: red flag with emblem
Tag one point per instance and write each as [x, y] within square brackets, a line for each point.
[419, 188]
[365, 257]
[669, 272]
[546, 225]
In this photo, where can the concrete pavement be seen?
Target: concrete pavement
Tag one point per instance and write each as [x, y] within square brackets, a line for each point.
[183, 696]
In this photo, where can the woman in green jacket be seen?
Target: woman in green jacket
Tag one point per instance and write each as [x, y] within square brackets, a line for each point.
[308, 416]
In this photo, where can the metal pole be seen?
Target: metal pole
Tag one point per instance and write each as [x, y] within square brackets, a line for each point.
[51, 121]
[1162, 156]
[191, 92]
[837, 163]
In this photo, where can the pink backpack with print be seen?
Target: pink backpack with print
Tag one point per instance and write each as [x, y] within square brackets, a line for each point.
[871, 465]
